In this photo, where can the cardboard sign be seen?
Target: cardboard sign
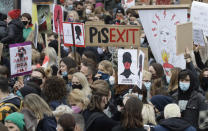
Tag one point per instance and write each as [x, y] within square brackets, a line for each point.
[42, 1]
[163, 2]
[198, 37]
[58, 19]
[199, 16]
[146, 61]
[127, 66]
[140, 66]
[185, 1]
[160, 29]
[44, 18]
[112, 35]
[74, 34]
[20, 58]
[184, 37]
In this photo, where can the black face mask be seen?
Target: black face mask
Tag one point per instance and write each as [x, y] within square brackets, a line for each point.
[77, 86]
[204, 83]
[25, 22]
[80, 12]
[36, 80]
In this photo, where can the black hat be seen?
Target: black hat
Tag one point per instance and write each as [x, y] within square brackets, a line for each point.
[120, 10]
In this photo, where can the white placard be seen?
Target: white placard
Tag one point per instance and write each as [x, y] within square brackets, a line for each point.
[79, 34]
[199, 16]
[140, 66]
[26, 6]
[68, 36]
[198, 37]
[160, 29]
[20, 58]
[127, 66]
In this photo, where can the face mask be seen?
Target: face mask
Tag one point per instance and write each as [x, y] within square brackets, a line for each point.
[168, 79]
[100, 51]
[147, 85]
[77, 86]
[184, 86]
[76, 109]
[112, 80]
[140, 97]
[36, 80]
[70, 20]
[103, 75]
[79, 12]
[88, 11]
[25, 22]
[64, 73]
[70, 7]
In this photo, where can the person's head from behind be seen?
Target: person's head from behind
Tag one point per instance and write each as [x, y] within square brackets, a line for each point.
[100, 95]
[80, 123]
[148, 114]
[90, 55]
[15, 122]
[4, 89]
[54, 89]
[13, 14]
[38, 76]
[37, 105]
[4, 72]
[132, 113]
[66, 123]
[62, 109]
[157, 70]
[52, 36]
[172, 110]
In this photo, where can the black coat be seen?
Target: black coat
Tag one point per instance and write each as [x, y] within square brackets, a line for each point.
[119, 128]
[47, 124]
[15, 32]
[103, 123]
[3, 29]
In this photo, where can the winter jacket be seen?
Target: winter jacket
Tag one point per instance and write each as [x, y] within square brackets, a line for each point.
[47, 124]
[174, 124]
[11, 98]
[119, 128]
[3, 29]
[102, 123]
[15, 32]
[195, 104]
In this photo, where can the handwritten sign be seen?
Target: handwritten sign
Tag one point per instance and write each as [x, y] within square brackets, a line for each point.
[198, 37]
[112, 35]
[199, 16]
[20, 58]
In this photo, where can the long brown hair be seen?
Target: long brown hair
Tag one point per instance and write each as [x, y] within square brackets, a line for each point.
[158, 88]
[99, 88]
[132, 114]
[174, 79]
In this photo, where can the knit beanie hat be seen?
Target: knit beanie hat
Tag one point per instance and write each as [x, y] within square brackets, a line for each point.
[14, 14]
[16, 118]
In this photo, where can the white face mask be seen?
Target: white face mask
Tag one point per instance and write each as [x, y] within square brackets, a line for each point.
[88, 11]
[112, 80]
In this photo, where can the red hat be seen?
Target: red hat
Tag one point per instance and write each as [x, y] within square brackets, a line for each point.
[14, 14]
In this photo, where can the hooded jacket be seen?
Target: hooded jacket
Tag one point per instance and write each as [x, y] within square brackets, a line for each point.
[11, 98]
[15, 32]
[174, 124]
[3, 29]
[47, 124]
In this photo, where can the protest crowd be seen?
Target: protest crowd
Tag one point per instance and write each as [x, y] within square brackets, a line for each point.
[51, 79]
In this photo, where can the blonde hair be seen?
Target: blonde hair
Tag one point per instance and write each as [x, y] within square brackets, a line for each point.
[75, 15]
[62, 109]
[31, 38]
[52, 56]
[35, 57]
[83, 81]
[172, 110]
[148, 114]
[37, 105]
[107, 66]
[77, 95]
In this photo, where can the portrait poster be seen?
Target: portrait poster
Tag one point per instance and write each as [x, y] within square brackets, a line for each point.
[44, 18]
[160, 29]
[140, 68]
[73, 34]
[58, 19]
[127, 66]
[26, 6]
[198, 37]
[20, 58]
[199, 16]
[128, 3]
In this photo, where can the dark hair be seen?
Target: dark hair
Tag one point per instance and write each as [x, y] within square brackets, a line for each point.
[78, 32]
[4, 85]
[54, 89]
[67, 122]
[99, 88]
[132, 114]
[41, 70]
[157, 87]
[3, 17]
[76, 3]
[127, 57]
[4, 71]
[159, 70]
[70, 63]
[28, 16]
[202, 75]
[142, 91]
[53, 34]
[91, 55]
[90, 65]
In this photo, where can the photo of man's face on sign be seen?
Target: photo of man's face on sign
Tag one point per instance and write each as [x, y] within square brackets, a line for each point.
[127, 64]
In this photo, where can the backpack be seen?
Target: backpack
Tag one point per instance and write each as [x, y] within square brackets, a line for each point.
[6, 109]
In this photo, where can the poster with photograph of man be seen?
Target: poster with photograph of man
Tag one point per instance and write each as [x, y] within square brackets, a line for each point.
[79, 34]
[127, 66]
